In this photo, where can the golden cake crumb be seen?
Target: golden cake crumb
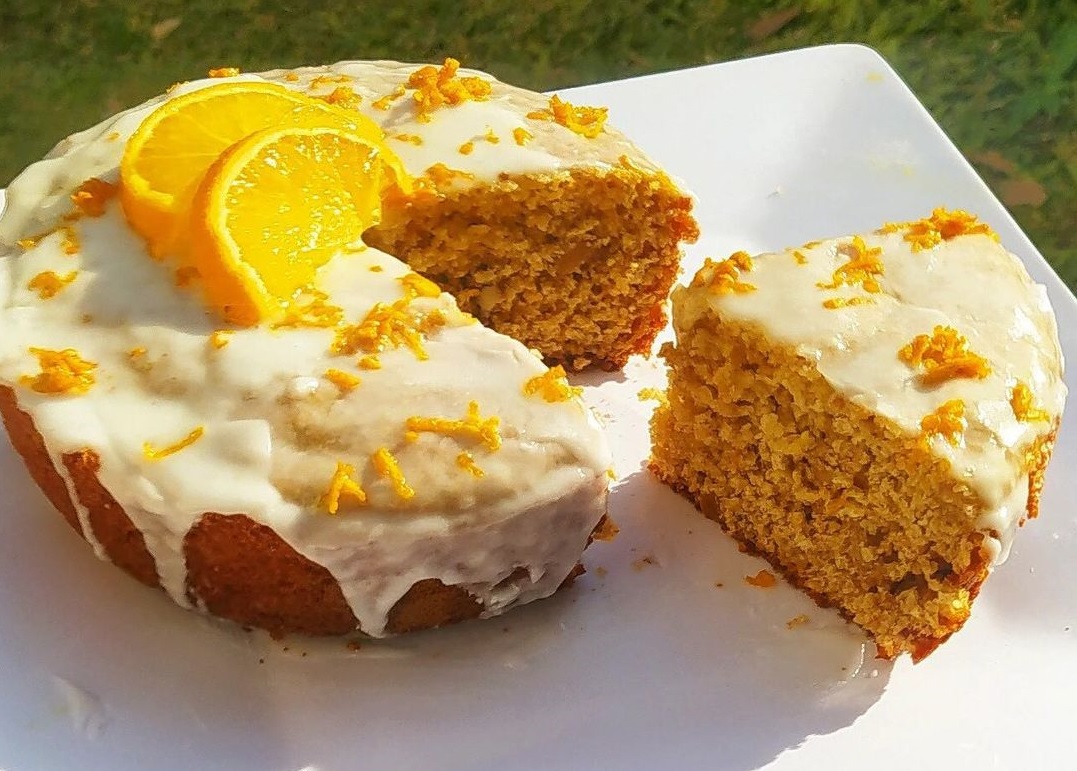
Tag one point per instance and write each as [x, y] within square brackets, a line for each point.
[345, 381]
[62, 372]
[387, 466]
[224, 72]
[606, 530]
[152, 453]
[942, 225]
[1023, 407]
[585, 121]
[440, 177]
[948, 421]
[136, 353]
[644, 562]
[552, 385]
[48, 284]
[466, 461]
[764, 579]
[343, 484]
[943, 355]
[472, 426]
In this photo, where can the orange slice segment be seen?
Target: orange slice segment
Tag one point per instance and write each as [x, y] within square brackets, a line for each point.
[275, 207]
[171, 150]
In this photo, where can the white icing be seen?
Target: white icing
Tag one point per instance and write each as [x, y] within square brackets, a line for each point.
[970, 283]
[273, 426]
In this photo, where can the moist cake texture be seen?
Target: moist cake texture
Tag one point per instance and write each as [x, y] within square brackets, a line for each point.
[872, 414]
[296, 476]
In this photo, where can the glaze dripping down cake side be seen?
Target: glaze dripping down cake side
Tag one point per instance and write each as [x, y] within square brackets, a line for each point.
[316, 441]
[873, 415]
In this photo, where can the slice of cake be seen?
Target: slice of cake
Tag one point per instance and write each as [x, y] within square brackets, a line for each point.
[873, 415]
[230, 396]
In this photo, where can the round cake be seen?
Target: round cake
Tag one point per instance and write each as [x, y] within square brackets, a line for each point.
[872, 414]
[369, 457]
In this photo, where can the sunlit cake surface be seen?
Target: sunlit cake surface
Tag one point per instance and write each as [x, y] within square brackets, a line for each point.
[871, 414]
[258, 474]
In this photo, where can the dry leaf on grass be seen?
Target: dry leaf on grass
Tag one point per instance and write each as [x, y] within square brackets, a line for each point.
[1022, 192]
[164, 28]
[770, 23]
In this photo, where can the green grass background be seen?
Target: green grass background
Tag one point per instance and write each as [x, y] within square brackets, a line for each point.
[1000, 76]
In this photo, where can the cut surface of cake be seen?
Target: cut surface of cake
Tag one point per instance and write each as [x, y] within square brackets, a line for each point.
[364, 456]
[871, 414]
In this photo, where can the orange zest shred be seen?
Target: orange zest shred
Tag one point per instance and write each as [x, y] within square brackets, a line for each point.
[414, 139]
[439, 177]
[862, 268]
[800, 257]
[391, 325]
[345, 381]
[943, 355]
[369, 362]
[552, 385]
[522, 136]
[62, 372]
[585, 121]
[491, 137]
[419, 286]
[467, 462]
[342, 96]
[1023, 405]
[220, 338]
[48, 284]
[152, 453]
[467, 148]
[943, 225]
[311, 309]
[846, 302]
[343, 484]
[472, 426]
[724, 276]
[91, 196]
[224, 72]
[136, 353]
[387, 466]
[438, 86]
[321, 81]
[70, 243]
[764, 579]
[385, 102]
[653, 395]
[948, 421]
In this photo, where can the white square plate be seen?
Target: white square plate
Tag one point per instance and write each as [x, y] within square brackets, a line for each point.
[646, 663]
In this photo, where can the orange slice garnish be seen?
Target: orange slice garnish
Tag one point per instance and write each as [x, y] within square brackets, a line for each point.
[170, 152]
[278, 205]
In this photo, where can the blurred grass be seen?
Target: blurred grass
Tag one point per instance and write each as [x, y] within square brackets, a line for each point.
[999, 75]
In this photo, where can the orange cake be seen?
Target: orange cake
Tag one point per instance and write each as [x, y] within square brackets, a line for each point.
[871, 414]
[220, 364]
